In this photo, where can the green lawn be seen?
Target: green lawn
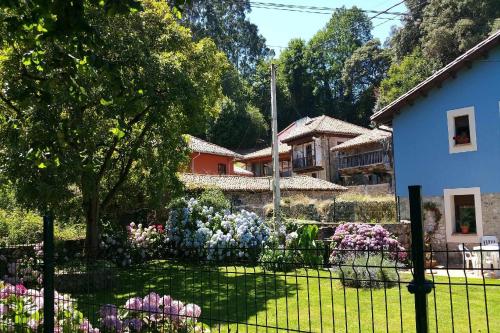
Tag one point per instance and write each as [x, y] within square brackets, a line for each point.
[302, 300]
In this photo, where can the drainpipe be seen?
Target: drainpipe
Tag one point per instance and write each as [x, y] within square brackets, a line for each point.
[192, 162]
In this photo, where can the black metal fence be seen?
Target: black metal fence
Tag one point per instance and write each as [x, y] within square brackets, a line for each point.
[321, 289]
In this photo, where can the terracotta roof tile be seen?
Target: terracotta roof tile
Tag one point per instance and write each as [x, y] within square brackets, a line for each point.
[257, 184]
[202, 146]
[325, 124]
[283, 148]
[375, 135]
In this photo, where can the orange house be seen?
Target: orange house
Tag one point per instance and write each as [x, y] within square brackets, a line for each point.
[210, 159]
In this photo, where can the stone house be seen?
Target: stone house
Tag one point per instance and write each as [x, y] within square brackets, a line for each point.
[366, 159]
[304, 148]
[447, 139]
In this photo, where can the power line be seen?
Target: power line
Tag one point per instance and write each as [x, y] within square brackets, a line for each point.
[387, 10]
[313, 9]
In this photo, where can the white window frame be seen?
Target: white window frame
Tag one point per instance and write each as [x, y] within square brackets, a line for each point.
[449, 213]
[451, 115]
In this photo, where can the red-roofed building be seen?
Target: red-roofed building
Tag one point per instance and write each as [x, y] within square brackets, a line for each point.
[210, 159]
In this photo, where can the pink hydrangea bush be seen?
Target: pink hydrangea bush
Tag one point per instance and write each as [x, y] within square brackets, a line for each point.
[151, 314]
[357, 238]
[21, 310]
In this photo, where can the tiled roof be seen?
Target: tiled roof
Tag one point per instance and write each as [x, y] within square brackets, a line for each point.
[257, 184]
[375, 135]
[202, 146]
[385, 114]
[283, 148]
[242, 172]
[325, 124]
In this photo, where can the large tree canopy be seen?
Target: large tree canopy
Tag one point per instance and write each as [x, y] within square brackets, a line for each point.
[226, 23]
[82, 112]
[434, 33]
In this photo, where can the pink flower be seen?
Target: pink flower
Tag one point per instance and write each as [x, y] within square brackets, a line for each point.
[190, 311]
[134, 303]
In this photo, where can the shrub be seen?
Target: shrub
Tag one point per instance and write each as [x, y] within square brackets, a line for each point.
[214, 197]
[196, 230]
[20, 227]
[153, 313]
[353, 238]
[295, 249]
[366, 271]
[21, 310]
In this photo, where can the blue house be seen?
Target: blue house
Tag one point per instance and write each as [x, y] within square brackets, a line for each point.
[447, 139]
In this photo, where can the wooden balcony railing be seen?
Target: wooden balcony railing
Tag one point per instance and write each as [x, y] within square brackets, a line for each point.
[304, 162]
[363, 159]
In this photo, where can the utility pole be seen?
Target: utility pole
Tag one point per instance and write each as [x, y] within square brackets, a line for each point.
[275, 150]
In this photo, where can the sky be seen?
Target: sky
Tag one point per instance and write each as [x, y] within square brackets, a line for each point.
[279, 26]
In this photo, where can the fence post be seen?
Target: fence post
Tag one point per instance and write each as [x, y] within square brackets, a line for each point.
[48, 274]
[419, 286]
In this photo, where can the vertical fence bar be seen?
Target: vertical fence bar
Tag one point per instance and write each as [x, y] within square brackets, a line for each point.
[419, 286]
[48, 274]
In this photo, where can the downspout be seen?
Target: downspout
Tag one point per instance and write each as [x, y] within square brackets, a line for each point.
[192, 162]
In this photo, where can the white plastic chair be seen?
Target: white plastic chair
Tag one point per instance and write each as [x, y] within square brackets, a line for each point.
[489, 240]
[470, 259]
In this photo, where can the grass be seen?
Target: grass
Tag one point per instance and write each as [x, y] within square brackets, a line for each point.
[302, 300]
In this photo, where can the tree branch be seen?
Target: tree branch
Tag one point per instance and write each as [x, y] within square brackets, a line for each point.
[126, 169]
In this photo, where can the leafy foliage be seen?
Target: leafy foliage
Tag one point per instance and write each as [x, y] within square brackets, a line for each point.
[368, 271]
[82, 119]
[214, 197]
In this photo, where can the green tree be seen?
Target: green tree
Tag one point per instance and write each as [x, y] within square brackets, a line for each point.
[361, 77]
[403, 76]
[329, 49]
[451, 27]
[294, 76]
[227, 24]
[81, 113]
[239, 124]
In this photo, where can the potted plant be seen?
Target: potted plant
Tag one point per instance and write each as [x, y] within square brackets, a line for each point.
[466, 219]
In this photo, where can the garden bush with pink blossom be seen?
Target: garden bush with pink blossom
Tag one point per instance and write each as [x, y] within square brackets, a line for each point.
[153, 313]
[351, 239]
[21, 310]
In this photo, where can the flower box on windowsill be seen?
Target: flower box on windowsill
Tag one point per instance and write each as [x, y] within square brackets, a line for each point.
[461, 140]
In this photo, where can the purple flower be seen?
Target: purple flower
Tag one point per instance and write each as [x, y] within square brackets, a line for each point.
[134, 303]
[108, 310]
[112, 323]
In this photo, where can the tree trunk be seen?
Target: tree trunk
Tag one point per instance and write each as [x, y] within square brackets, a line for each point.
[91, 209]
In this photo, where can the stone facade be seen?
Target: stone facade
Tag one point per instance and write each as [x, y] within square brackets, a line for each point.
[490, 207]
[375, 189]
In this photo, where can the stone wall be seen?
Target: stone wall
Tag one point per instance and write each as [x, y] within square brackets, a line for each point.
[402, 231]
[256, 201]
[490, 204]
[376, 189]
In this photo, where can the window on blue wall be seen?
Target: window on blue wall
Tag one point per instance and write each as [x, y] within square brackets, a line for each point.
[462, 130]
[465, 214]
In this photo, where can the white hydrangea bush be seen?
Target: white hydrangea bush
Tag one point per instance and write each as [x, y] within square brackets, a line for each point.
[196, 230]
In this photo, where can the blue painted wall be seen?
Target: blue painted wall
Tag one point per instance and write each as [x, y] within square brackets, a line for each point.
[421, 134]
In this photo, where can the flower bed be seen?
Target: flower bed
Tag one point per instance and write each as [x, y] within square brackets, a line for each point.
[196, 230]
[153, 313]
[21, 310]
[357, 238]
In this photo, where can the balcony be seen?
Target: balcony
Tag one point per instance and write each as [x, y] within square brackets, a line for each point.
[307, 162]
[361, 160]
